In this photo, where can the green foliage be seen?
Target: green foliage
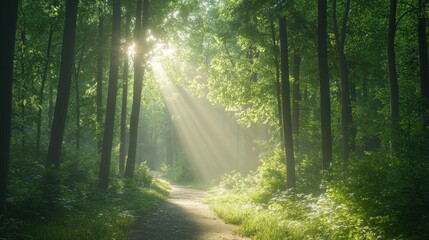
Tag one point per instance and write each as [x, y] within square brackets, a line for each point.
[108, 216]
[389, 193]
[180, 171]
[288, 214]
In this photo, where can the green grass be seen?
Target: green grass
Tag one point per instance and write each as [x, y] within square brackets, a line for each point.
[107, 217]
[289, 216]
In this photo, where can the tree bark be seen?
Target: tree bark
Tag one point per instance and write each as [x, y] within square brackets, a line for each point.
[286, 109]
[138, 85]
[423, 60]
[277, 83]
[99, 78]
[63, 94]
[296, 98]
[106, 152]
[393, 78]
[42, 90]
[325, 99]
[77, 94]
[122, 146]
[346, 112]
[8, 18]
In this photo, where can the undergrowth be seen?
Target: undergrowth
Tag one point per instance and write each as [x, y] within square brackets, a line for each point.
[362, 202]
[65, 203]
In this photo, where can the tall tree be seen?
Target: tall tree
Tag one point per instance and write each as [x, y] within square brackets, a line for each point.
[423, 60]
[296, 97]
[77, 68]
[346, 112]
[8, 17]
[286, 109]
[64, 84]
[122, 145]
[106, 152]
[42, 89]
[99, 78]
[277, 83]
[138, 84]
[393, 78]
[325, 99]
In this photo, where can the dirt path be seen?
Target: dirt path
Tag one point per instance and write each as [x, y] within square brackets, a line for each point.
[183, 217]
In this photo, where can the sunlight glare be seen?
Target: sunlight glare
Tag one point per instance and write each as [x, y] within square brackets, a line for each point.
[209, 135]
[131, 50]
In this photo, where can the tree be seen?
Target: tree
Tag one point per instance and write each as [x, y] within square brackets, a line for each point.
[393, 78]
[296, 97]
[346, 112]
[106, 152]
[122, 145]
[42, 89]
[423, 61]
[8, 17]
[99, 77]
[138, 85]
[325, 99]
[64, 85]
[286, 109]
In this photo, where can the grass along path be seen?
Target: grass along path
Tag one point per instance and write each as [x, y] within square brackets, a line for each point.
[109, 216]
[184, 217]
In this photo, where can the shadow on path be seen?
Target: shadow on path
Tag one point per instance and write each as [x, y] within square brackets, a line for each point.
[183, 217]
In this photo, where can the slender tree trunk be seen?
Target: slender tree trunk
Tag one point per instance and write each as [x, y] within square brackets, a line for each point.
[23, 88]
[42, 90]
[346, 113]
[106, 152]
[99, 78]
[423, 60]
[138, 85]
[286, 109]
[325, 99]
[7, 50]
[77, 114]
[122, 146]
[64, 85]
[169, 146]
[77, 99]
[393, 78]
[51, 105]
[296, 98]
[77, 94]
[277, 84]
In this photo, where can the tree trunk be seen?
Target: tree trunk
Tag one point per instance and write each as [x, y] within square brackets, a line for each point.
[277, 83]
[138, 85]
[286, 109]
[42, 89]
[423, 60]
[296, 97]
[99, 100]
[77, 95]
[122, 146]
[393, 78]
[325, 99]
[7, 50]
[106, 152]
[23, 88]
[346, 112]
[64, 85]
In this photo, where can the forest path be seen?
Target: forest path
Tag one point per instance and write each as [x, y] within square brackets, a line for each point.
[183, 217]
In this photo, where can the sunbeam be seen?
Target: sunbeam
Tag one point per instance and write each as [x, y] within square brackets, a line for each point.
[210, 136]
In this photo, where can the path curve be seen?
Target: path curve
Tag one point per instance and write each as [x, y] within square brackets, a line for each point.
[183, 217]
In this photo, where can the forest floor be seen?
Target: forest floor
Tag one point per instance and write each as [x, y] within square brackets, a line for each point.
[183, 217]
